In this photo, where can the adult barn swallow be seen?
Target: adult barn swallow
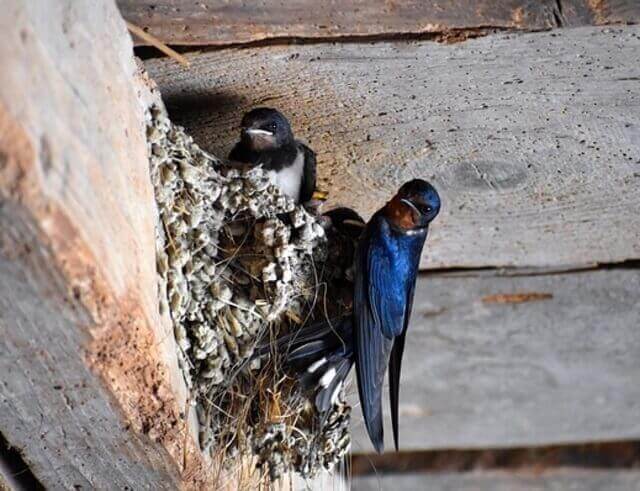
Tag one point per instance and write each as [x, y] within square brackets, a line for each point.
[266, 139]
[386, 260]
[386, 266]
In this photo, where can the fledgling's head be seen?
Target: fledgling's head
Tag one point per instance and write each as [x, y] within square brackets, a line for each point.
[414, 206]
[346, 221]
[264, 128]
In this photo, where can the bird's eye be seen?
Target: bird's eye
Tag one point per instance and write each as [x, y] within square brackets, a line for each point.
[424, 208]
[272, 126]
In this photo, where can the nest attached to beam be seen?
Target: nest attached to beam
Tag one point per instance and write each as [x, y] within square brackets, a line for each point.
[240, 263]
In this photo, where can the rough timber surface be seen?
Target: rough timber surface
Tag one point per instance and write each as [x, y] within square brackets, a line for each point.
[497, 361]
[216, 22]
[90, 393]
[533, 140]
[532, 480]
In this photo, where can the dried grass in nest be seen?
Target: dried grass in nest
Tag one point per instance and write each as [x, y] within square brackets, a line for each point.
[239, 264]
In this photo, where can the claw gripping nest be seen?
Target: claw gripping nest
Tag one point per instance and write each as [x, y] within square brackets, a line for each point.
[238, 263]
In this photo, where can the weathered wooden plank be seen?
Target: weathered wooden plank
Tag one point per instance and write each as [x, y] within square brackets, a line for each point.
[215, 22]
[619, 455]
[90, 392]
[532, 139]
[520, 361]
[583, 480]
[53, 407]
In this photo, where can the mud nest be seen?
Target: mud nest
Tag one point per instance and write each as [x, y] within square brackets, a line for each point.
[239, 264]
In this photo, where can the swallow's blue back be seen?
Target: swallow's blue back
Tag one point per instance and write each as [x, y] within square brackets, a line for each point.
[392, 266]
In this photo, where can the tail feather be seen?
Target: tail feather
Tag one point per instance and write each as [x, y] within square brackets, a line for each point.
[321, 355]
[327, 395]
[307, 351]
[335, 330]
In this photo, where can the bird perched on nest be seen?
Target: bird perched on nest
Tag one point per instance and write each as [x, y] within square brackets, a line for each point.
[386, 267]
[387, 257]
[267, 139]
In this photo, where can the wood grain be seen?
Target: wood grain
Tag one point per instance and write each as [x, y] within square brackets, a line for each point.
[53, 408]
[556, 370]
[532, 139]
[90, 391]
[216, 22]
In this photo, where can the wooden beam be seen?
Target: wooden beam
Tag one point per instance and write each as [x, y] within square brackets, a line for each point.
[533, 480]
[494, 361]
[602, 455]
[90, 392]
[531, 139]
[610, 465]
[216, 22]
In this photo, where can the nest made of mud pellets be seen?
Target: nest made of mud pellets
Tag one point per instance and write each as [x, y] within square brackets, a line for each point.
[239, 263]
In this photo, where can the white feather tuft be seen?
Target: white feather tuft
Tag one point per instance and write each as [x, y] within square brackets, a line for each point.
[326, 379]
[317, 364]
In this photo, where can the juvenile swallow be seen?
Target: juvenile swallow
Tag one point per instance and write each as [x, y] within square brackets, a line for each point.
[386, 266]
[347, 226]
[266, 139]
[346, 222]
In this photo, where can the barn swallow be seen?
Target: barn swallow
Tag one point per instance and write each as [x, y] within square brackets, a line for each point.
[386, 267]
[267, 139]
[372, 336]
[342, 237]
[346, 222]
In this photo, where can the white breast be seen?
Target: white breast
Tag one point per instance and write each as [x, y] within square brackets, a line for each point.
[289, 179]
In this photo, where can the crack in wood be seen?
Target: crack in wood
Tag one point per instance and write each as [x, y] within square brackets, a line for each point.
[557, 14]
[446, 36]
[483, 176]
[605, 455]
[628, 264]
